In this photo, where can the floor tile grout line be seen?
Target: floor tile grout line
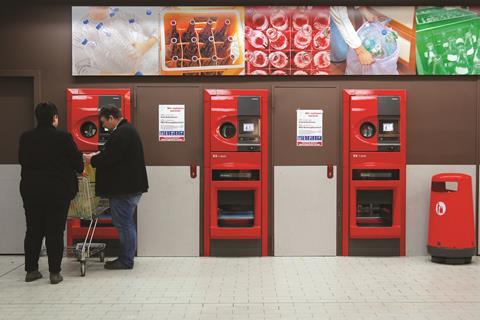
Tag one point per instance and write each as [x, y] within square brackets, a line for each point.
[4, 274]
[230, 303]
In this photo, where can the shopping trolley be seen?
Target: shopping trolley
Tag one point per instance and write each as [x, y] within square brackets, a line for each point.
[87, 206]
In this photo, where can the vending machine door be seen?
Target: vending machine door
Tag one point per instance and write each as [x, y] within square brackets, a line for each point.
[375, 208]
[236, 205]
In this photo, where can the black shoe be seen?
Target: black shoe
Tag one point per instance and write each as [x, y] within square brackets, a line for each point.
[55, 278]
[32, 276]
[116, 265]
[112, 261]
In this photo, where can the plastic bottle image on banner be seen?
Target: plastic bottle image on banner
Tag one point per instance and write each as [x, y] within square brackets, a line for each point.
[448, 41]
[372, 40]
[114, 41]
[287, 41]
[201, 41]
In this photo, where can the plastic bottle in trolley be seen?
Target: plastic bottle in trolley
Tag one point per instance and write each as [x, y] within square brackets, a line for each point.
[303, 37]
[277, 39]
[255, 38]
[222, 33]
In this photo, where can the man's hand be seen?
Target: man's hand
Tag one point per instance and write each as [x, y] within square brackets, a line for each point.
[364, 56]
[87, 157]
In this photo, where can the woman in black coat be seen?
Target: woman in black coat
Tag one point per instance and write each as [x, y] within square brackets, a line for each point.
[50, 161]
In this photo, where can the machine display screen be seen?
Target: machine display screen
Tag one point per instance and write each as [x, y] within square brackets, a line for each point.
[388, 127]
[248, 127]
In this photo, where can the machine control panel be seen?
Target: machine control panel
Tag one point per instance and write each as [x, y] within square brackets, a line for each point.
[376, 123]
[388, 123]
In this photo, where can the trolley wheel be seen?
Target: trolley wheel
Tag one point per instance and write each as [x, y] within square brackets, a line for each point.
[102, 256]
[82, 268]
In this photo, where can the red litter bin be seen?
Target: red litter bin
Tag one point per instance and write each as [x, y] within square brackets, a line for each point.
[451, 233]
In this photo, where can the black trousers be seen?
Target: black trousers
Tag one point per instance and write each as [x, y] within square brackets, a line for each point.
[45, 219]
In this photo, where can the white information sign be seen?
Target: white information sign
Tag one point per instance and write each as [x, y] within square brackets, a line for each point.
[309, 128]
[171, 122]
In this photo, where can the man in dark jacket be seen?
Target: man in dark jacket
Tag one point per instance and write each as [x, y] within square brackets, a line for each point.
[122, 177]
[50, 160]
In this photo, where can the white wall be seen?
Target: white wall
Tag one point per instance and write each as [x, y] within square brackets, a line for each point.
[168, 215]
[12, 215]
[305, 211]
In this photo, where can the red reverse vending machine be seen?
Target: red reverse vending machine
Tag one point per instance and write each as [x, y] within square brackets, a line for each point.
[83, 106]
[374, 162]
[236, 166]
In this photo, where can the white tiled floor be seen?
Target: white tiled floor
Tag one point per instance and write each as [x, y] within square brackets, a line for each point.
[247, 288]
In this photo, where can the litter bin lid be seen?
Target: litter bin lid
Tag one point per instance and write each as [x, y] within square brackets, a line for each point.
[451, 177]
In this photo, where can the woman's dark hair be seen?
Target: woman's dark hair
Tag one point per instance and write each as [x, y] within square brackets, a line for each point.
[44, 112]
[110, 110]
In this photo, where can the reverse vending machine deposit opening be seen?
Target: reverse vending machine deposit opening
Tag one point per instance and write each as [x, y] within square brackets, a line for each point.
[374, 162]
[83, 106]
[236, 167]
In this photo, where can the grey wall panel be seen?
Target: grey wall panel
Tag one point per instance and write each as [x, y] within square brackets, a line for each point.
[12, 216]
[168, 215]
[419, 178]
[305, 211]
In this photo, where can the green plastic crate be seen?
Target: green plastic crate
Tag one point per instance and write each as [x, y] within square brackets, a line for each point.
[436, 26]
[438, 16]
